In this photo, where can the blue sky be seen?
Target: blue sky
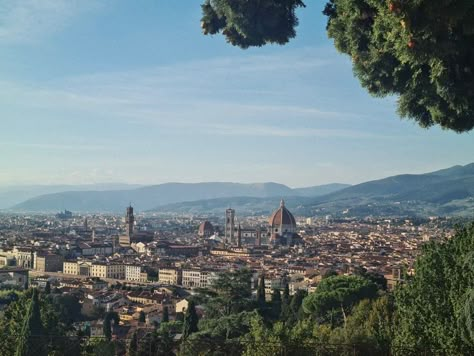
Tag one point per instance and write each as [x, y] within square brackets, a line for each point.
[131, 91]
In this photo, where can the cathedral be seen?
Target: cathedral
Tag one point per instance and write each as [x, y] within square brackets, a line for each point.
[280, 231]
[282, 227]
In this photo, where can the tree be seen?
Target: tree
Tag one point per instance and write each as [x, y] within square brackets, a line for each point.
[435, 306]
[47, 288]
[142, 316]
[421, 51]
[107, 326]
[165, 318]
[296, 306]
[335, 296]
[219, 336]
[179, 317]
[279, 339]
[31, 341]
[261, 291]
[67, 307]
[190, 320]
[329, 273]
[251, 23]
[285, 303]
[133, 346]
[229, 293]
[276, 304]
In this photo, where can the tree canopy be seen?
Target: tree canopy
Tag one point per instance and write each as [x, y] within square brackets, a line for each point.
[421, 51]
[337, 295]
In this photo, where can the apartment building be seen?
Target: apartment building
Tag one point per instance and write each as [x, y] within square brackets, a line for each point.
[172, 276]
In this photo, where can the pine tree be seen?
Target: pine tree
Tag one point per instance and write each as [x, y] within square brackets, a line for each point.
[165, 318]
[190, 320]
[251, 23]
[418, 50]
[31, 342]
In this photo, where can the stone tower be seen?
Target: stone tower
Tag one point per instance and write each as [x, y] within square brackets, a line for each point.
[229, 225]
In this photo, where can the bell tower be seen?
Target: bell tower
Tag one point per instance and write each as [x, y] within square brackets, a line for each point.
[229, 225]
[129, 221]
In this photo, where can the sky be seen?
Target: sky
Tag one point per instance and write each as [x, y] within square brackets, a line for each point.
[98, 91]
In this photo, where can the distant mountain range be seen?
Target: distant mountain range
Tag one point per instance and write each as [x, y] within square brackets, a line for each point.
[149, 197]
[13, 195]
[447, 192]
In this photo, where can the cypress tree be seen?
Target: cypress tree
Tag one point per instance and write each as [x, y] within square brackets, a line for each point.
[285, 303]
[133, 347]
[276, 303]
[30, 341]
[47, 288]
[107, 326]
[165, 318]
[142, 317]
[190, 320]
[261, 291]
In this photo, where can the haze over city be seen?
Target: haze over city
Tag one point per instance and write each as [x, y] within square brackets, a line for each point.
[85, 99]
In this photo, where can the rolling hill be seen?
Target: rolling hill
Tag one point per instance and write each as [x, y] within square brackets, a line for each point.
[149, 197]
[444, 192]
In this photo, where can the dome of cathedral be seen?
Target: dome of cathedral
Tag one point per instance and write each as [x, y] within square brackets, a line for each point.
[282, 216]
[206, 229]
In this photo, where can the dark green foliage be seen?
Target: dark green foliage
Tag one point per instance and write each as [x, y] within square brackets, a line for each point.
[110, 317]
[376, 278]
[219, 336]
[261, 291]
[179, 317]
[422, 51]
[296, 307]
[31, 340]
[230, 293]
[419, 50]
[165, 318]
[47, 288]
[276, 304]
[251, 23]
[164, 341]
[133, 346]
[434, 308]
[329, 273]
[142, 317]
[67, 307]
[98, 346]
[191, 320]
[285, 303]
[335, 296]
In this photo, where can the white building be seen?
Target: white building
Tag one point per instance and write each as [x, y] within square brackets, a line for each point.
[134, 273]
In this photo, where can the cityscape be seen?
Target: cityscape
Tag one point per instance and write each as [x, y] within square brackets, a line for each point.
[138, 264]
[236, 178]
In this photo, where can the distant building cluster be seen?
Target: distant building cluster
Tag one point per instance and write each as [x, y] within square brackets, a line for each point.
[148, 263]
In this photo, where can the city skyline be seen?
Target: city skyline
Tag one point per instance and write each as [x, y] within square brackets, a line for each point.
[107, 91]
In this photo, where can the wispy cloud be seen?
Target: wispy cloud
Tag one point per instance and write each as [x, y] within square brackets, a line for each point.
[26, 21]
[55, 146]
[247, 95]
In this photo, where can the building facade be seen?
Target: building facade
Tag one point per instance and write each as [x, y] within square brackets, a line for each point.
[172, 276]
[48, 262]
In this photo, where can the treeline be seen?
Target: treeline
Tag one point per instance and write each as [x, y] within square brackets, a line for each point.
[432, 312]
